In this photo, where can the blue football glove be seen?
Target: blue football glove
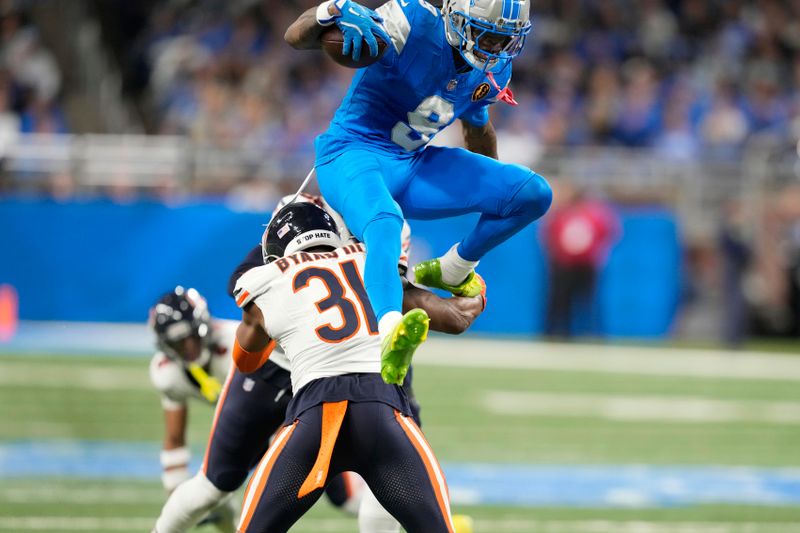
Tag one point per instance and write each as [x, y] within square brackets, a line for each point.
[359, 24]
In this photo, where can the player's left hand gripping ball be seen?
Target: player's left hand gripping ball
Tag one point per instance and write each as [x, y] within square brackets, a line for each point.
[357, 23]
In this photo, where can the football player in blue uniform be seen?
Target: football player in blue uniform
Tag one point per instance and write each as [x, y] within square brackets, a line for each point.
[374, 165]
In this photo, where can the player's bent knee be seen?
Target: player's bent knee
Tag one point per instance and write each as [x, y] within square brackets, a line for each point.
[204, 490]
[534, 197]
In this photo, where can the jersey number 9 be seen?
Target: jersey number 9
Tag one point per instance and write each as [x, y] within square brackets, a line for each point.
[430, 116]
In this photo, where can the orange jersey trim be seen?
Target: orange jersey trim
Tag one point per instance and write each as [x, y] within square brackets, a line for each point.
[242, 298]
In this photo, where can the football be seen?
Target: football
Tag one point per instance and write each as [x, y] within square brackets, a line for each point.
[332, 42]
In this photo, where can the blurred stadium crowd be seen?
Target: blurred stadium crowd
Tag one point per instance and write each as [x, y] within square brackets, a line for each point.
[682, 77]
[30, 78]
[676, 93]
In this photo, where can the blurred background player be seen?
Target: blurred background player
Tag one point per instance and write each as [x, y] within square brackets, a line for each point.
[193, 361]
[578, 235]
[373, 163]
[335, 357]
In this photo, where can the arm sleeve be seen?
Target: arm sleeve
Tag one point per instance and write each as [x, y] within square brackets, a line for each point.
[478, 116]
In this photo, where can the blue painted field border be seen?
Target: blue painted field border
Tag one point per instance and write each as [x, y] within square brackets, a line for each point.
[524, 485]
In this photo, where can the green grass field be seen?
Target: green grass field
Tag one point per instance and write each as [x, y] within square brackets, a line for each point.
[565, 416]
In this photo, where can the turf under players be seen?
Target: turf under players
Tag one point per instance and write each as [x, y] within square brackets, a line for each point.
[374, 165]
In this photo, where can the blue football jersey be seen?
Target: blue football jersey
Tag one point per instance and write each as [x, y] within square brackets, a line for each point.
[400, 102]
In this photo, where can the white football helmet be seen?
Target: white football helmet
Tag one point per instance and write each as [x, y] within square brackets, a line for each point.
[487, 33]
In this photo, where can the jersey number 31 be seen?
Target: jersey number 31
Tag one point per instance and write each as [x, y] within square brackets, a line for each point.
[351, 318]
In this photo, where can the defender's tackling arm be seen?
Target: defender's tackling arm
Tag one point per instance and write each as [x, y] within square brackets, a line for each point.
[253, 346]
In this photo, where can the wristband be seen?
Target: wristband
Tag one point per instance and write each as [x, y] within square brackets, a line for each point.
[175, 457]
[324, 17]
[175, 463]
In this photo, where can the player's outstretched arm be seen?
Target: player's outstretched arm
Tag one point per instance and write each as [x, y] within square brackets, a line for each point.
[305, 32]
[252, 346]
[480, 139]
[448, 315]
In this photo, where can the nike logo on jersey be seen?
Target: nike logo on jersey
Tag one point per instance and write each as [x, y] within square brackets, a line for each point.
[403, 3]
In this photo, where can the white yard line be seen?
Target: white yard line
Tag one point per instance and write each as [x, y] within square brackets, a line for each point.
[525, 355]
[476, 353]
[614, 526]
[81, 496]
[74, 376]
[689, 409]
[69, 523]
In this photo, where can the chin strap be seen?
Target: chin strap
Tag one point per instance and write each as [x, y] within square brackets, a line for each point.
[504, 95]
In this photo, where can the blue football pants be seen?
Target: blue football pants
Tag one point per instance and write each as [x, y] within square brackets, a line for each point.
[374, 191]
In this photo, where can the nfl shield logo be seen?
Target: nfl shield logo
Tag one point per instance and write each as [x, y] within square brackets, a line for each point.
[452, 85]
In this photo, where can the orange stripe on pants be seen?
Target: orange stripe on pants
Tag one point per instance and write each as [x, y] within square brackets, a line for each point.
[332, 417]
[217, 411]
[435, 474]
[255, 488]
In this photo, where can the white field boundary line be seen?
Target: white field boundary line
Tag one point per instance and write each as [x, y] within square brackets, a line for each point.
[71, 523]
[82, 496]
[612, 526]
[676, 362]
[685, 409]
[476, 353]
[501, 525]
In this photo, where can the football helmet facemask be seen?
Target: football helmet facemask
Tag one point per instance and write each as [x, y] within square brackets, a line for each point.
[182, 324]
[487, 33]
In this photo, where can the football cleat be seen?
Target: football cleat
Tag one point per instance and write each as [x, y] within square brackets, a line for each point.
[429, 273]
[399, 346]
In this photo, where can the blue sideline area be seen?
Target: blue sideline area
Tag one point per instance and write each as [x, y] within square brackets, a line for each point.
[104, 262]
[618, 486]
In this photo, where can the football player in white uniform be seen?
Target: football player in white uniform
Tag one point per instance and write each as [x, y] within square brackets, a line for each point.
[310, 298]
[193, 361]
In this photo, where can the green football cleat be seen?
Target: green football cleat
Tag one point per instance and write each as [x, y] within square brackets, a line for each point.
[400, 345]
[429, 273]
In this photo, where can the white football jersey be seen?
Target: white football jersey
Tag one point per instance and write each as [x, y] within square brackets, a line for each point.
[316, 307]
[175, 385]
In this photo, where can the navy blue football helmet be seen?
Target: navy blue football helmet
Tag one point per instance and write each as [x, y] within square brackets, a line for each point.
[298, 226]
[182, 324]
